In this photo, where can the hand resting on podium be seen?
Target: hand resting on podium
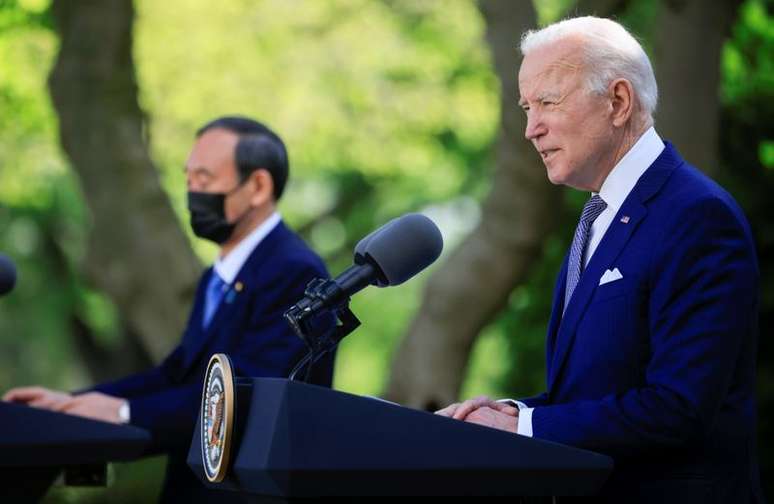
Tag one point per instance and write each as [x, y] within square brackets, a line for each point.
[93, 405]
[484, 411]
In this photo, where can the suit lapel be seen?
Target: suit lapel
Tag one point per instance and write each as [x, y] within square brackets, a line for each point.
[228, 304]
[556, 313]
[194, 331]
[609, 248]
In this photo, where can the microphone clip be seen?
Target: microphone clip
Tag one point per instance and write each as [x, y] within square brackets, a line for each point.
[303, 315]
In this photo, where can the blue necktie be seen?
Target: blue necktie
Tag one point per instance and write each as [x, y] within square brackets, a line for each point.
[215, 290]
[591, 210]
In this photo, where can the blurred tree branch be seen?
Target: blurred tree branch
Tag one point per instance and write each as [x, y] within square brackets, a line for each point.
[518, 213]
[688, 44]
[102, 363]
[137, 253]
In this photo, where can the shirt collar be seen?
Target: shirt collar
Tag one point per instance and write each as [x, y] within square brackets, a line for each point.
[624, 176]
[227, 267]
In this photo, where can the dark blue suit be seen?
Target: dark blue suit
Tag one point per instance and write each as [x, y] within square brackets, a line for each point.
[657, 369]
[249, 327]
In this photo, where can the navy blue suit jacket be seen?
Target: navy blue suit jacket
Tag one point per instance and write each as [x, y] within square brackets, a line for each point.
[248, 326]
[657, 369]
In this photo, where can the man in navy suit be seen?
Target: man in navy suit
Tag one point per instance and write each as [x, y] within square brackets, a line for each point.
[236, 173]
[650, 351]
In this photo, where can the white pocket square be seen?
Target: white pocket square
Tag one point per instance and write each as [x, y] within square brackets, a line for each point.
[610, 276]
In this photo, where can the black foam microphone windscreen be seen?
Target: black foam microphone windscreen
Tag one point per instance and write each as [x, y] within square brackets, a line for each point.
[401, 248]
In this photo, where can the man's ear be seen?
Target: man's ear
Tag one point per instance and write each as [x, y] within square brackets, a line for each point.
[263, 186]
[621, 95]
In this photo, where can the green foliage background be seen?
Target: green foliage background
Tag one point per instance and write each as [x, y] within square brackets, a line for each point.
[386, 106]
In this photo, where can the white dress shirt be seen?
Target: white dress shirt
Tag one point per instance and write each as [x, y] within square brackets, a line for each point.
[228, 266]
[614, 191]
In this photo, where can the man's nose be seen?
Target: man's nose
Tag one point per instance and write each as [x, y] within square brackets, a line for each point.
[190, 183]
[535, 126]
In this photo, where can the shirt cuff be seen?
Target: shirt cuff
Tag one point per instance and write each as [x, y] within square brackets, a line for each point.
[525, 420]
[524, 426]
[125, 413]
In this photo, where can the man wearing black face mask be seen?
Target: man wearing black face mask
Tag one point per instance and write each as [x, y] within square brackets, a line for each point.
[236, 172]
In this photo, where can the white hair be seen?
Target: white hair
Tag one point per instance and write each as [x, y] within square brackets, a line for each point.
[610, 52]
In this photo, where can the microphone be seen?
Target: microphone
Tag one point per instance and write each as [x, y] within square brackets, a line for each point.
[7, 275]
[388, 256]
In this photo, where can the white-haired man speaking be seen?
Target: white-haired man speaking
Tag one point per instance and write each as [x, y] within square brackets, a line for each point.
[650, 351]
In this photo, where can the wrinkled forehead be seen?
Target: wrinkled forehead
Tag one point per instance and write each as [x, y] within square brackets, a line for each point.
[555, 66]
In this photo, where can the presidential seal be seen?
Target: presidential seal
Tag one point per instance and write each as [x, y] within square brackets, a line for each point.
[217, 417]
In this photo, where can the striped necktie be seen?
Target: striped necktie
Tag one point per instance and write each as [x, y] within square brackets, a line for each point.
[591, 210]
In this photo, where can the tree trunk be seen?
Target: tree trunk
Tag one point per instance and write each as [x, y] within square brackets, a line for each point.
[688, 42]
[101, 363]
[137, 252]
[473, 284]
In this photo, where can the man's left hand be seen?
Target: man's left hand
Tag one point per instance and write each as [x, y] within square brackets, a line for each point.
[93, 405]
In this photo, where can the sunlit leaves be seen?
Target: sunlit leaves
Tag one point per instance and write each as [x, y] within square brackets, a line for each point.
[352, 85]
[29, 156]
[748, 58]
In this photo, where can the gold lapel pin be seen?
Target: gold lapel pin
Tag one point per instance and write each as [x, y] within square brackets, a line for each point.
[239, 286]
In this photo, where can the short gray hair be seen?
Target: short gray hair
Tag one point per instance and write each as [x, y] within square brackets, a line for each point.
[610, 51]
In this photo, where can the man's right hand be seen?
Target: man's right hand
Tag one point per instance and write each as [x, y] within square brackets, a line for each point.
[37, 397]
[460, 411]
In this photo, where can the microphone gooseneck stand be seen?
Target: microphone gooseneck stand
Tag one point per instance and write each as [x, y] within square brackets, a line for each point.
[301, 318]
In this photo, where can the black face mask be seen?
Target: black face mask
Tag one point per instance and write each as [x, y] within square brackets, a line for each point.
[208, 216]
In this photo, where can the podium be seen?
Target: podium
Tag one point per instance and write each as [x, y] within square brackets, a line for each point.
[36, 445]
[298, 440]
